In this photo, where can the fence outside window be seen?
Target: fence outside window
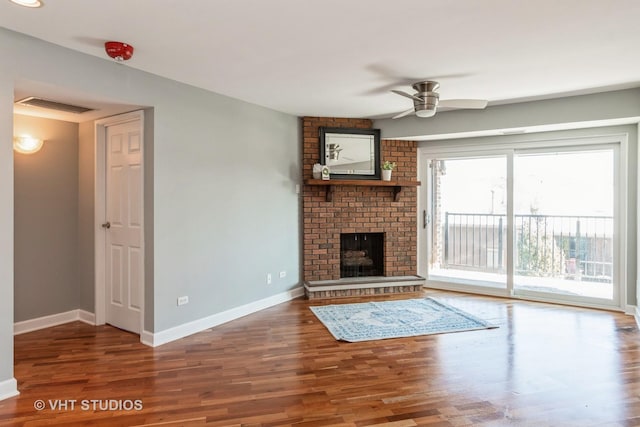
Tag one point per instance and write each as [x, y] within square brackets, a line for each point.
[573, 247]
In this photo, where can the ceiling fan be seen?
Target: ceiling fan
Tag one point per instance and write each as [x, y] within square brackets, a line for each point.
[427, 100]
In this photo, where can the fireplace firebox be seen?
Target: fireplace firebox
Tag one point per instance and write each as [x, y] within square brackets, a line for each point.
[361, 254]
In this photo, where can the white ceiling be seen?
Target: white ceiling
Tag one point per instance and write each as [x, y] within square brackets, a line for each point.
[340, 58]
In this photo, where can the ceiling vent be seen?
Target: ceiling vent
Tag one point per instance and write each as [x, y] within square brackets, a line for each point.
[34, 101]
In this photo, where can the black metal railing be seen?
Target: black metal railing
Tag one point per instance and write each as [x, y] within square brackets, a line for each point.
[474, 241]
[577, 247]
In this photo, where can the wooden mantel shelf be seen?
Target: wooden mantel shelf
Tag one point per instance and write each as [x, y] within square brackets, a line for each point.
[331, 183]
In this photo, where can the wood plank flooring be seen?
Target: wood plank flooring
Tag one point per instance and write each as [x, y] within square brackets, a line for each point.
[545, 365]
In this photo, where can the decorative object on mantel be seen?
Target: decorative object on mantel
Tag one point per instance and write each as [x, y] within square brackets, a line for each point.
[394, 319]
[317, 171]
[326, 173]
[350, 153]
[387, 168]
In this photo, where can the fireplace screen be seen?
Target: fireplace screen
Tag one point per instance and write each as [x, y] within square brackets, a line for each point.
[361, 254]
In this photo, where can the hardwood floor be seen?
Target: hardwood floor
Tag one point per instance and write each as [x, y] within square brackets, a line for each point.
[545, 365]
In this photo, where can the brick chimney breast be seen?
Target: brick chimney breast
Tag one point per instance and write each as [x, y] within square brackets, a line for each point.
[358, 209]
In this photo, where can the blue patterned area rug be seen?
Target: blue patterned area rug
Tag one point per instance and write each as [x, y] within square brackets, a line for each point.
[393, 319]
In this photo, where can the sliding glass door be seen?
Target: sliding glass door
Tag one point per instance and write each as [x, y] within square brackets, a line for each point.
[469, 221]
[564, 224]
[530, 222]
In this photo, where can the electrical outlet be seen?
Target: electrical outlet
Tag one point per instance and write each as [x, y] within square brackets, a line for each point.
[268, 278]
[283, 274]
[183, 300]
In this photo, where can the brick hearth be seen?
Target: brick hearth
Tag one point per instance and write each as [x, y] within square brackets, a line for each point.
[358, 209]
[362, 286]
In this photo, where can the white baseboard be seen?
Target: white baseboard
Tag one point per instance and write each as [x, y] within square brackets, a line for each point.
[86, 317]
[630, 310]
[53, 320]
[190, 328]
[8, 388]
[146, 338]
[637, 316]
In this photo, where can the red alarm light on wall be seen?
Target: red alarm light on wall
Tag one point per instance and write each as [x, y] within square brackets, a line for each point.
[118, 50]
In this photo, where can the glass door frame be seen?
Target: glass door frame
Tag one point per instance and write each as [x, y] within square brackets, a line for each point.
[476, 148]
[426, 223]
[617, 250]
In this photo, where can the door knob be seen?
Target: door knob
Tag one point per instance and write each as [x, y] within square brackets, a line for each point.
[106, 225]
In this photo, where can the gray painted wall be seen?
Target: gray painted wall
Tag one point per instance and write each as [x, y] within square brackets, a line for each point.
[86, 194]
[46, 217]
[226, 211]
[223, 174]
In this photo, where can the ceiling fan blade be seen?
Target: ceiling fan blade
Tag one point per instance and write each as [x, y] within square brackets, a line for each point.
[463, 103]
[406, 95]
[404, 113]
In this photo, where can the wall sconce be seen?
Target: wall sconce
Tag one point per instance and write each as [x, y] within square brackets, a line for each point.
[27, 144]
[28, 3]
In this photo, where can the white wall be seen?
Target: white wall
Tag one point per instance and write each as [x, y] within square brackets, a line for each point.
[223, 210]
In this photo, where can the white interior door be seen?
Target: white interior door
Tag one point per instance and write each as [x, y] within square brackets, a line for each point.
[123, 226]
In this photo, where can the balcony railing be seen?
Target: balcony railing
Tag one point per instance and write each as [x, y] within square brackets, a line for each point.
[576, 247]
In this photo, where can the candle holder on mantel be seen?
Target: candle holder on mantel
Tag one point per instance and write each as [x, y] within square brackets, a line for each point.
[317, 171]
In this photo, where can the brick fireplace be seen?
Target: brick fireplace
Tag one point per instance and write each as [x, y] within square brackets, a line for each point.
[358, 209]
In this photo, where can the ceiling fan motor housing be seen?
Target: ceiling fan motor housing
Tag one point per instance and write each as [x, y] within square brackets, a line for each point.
[426, 86]
[426, 100]
[429, 98]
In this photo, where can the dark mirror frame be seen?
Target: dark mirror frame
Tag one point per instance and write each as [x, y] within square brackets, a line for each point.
[350, 131]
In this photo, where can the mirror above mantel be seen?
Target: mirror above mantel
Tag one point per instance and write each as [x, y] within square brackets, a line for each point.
[351, 153]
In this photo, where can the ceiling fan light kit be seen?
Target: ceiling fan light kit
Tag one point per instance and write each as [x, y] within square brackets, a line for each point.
[426, 100]
[425, 113]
